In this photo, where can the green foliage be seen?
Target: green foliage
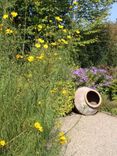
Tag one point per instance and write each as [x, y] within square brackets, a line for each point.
[113, 90]
[65, 90]
[26, 97]
[20, 108]
[112, 46]
[103, 51]
[108, 106]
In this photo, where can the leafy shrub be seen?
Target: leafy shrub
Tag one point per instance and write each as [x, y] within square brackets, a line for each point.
[65, 90]
[113, 89]
[108, 106]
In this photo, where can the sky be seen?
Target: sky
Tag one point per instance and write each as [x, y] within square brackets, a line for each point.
[113, 13]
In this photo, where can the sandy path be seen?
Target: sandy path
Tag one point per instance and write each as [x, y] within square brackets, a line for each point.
[91, 136]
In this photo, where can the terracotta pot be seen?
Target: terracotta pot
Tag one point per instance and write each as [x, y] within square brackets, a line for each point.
[87, 100]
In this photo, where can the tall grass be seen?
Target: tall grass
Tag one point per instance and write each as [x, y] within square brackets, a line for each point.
[26, 98]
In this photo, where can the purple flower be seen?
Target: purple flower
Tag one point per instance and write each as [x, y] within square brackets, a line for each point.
[93, 87]
[95, 70]
[84, 79]
[95, 78]
[80, 72]
[102, 71]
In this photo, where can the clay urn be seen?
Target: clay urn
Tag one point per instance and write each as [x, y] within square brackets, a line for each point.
[87, 100]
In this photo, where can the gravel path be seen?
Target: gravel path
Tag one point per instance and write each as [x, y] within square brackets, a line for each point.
[90, 135]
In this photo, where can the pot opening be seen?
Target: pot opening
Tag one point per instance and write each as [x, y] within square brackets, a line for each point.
[93, 98]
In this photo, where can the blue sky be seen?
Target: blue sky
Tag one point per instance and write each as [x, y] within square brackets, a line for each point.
[113, 13]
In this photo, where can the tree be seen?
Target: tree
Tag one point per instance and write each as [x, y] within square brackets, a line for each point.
[37, 18]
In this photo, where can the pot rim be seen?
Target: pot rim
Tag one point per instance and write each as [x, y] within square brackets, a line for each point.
[88, 103]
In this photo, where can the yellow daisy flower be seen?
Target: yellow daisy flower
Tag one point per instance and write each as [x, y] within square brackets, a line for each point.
[40, 40]
[40, 27]
[69, 37]
[14, 14]
[64, 30]
[75, 3]
[45, 46]
[37, 45]
[2, 143]
[58, 19]
[60, 26]
[61, 134]
[77, 31]
[9, 31]
[41, 57]
[53, 43]
[30, 58]
[62, 138]
[5, 16]
[38, 126]
[64, 41]
[18, 56]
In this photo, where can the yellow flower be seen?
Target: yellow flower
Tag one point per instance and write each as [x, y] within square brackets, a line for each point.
[61, 134]
[40, 40]
[14, 14]
[41, 57]
[45, 46]
[64, 30]
[18, 56]
[37, 45]
[9, 31]
[53, 43]
[58, 19]
[64, 92]
[69, 37]
[38, 126]
[2, 143]
[40, 27]
[60, 26]
[62, 138]
[77, 31]
[30, 58]
[5, 16]
[75, 3]
[64, 41]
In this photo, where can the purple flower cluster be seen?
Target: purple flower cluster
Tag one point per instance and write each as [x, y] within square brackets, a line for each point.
[82, 74]
[95, 70]
[92, 77]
